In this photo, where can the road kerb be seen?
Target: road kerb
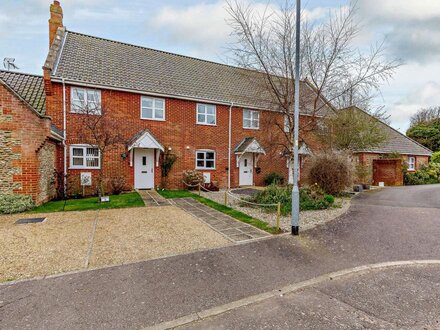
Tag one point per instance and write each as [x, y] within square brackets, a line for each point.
[214, 311]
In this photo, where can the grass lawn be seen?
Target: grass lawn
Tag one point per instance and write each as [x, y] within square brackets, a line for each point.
[220, 207]
[131, 199]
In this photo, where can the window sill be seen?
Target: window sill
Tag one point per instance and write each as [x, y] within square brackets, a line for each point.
[252, 128]
[83, 168]
[206, 124]
[205, 169]
[152, 119]
[84, 114]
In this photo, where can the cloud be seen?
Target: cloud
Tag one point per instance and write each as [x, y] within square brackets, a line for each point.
[426, 95]
[202, 25]
[203, 28]
[422, 96]
[411, 27]
[398, 10]
[108, 14]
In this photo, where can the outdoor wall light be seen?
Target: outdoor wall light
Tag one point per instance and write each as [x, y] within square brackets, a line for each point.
[187, 147]
[169, 149]
[123, 155]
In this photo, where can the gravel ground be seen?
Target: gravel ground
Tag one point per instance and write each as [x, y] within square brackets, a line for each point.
[62, 242]
[144, 233]
[57, 245]
[308, 219]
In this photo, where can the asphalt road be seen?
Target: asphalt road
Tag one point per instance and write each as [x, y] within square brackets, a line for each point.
[400, 298]
[388, 225]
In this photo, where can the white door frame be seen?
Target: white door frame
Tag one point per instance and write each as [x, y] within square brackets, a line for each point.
[143, 168]
[246, 175]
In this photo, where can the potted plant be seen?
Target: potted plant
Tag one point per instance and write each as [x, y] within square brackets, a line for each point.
[362, 172]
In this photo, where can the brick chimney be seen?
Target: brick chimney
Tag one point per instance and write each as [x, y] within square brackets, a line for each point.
[55, 21]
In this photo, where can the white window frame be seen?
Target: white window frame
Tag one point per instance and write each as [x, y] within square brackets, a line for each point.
[205, 151]
[254, 116]
[85, 91]
[154, 108]
[84, 147]
[205, 113]
[413, 163]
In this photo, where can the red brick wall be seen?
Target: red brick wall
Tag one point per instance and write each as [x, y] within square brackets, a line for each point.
[367, 160]
[24, 133]
[179, 131]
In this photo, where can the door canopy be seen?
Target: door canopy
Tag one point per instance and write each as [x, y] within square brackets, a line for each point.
[144, 139]
[304, 149]
[249, 144]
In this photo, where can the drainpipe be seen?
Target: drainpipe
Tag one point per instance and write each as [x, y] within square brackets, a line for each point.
[64, 141]
[229, 144]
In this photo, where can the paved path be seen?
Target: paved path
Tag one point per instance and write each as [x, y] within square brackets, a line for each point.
[234, 230]
[152, 198]
[147, 293]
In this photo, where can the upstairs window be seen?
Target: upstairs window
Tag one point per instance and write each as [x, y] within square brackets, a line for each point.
[152, 108]
[85, 101]
[251, 119]
[206, 114]
[84, 157]
[205, 159]
[411, 163]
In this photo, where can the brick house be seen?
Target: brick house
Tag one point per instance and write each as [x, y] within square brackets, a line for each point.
[215, 118]
[28, 140]
[413, 155]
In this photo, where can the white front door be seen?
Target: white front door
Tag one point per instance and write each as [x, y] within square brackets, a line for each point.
[143, 168]
[246, 170]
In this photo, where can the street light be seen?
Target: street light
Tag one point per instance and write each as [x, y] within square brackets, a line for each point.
[295, 188]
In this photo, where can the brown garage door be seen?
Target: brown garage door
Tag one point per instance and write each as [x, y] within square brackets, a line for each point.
[388, 171]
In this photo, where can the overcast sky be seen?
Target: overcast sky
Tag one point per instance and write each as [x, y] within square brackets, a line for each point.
[198, 28]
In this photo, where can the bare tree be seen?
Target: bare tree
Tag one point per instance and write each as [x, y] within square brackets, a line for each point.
[98, 128]
[363, 99]
[425, 115]
[352, 130]
[332, 66]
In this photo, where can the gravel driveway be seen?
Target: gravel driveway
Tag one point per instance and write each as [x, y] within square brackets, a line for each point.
[68, 241]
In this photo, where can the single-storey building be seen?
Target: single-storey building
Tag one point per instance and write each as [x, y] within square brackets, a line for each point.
[28, 139]
[413, 155]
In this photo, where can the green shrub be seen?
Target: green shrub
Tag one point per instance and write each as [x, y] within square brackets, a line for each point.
[332, 172]
[435, 158]
[425, 175]
[330, 199]
[273, 178]
[15, 203]
[308, 199]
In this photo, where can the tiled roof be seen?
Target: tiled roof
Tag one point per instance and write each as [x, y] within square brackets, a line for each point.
[30, 88]
[397, 142]
[249, 144]
[91, 60]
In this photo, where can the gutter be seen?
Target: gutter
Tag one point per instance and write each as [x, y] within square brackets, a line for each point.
[229, 144]
[164, 95]
[56, 136]
[64, 141]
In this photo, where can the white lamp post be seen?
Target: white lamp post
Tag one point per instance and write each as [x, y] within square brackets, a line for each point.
[295, 189]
